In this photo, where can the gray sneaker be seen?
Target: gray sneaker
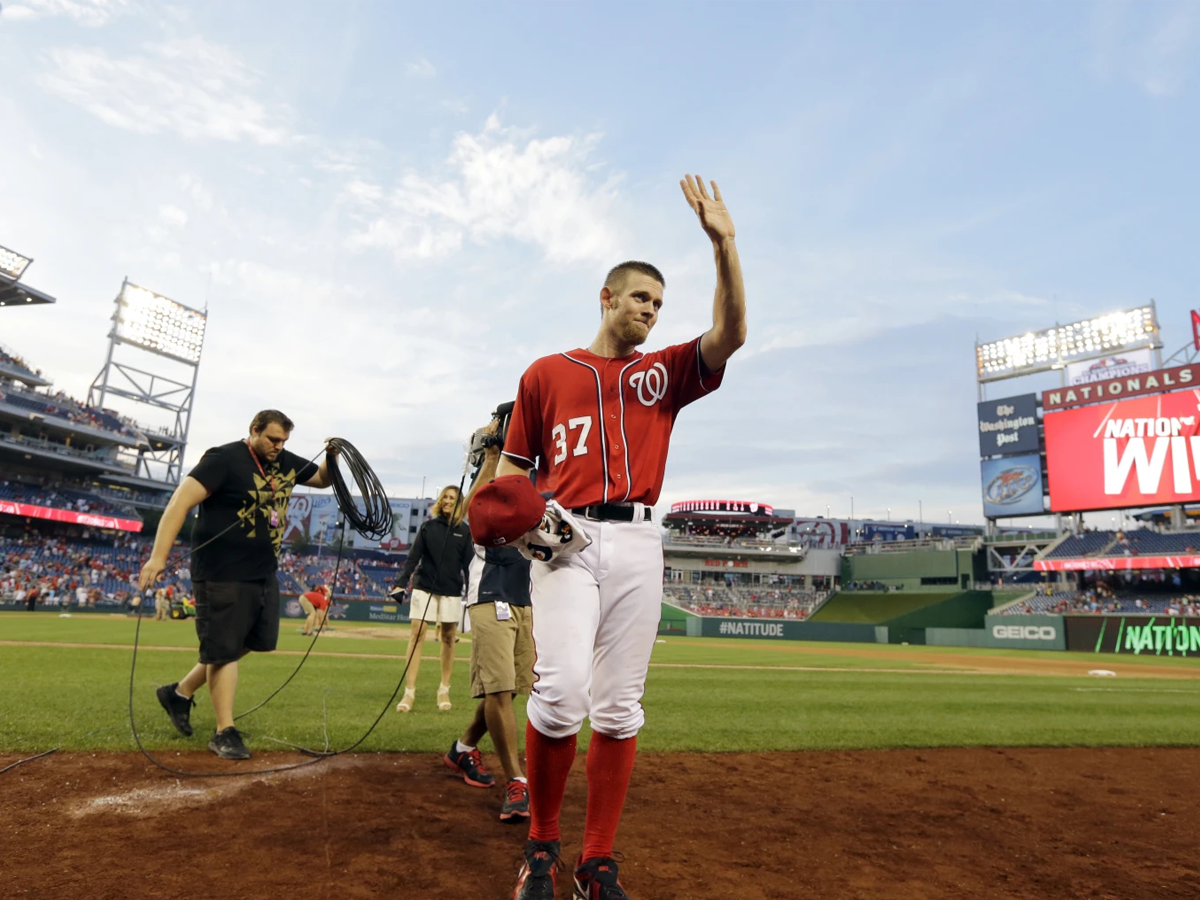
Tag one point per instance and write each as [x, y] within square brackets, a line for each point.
[178, 708]
[228, 744]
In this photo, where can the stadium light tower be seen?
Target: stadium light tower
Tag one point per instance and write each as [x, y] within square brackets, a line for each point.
[159, 326]
[1053, 348]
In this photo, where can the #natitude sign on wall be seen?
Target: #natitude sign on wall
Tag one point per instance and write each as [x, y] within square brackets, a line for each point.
[1129, 453]
[1012, 486]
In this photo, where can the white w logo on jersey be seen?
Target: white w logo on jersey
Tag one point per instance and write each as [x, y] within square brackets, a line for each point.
[652, 382]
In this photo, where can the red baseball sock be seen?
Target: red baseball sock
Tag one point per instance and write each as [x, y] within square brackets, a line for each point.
[547, 763]
[609, 768]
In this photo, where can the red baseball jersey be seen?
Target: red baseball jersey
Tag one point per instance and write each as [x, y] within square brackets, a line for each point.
[598, 429]
[317, 599]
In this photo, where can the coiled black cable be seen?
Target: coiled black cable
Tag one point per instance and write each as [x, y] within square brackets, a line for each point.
[374, 520]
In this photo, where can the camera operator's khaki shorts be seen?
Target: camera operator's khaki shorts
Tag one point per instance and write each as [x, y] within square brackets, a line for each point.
[501, 652]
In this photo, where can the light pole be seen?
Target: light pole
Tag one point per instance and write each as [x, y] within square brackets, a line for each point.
[851, 507]
[889, 509]
[949, 517]
[827, 510]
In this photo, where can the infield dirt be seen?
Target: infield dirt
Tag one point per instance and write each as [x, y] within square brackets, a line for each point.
[1110, 824]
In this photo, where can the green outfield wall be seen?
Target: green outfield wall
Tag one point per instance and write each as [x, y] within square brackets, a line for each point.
[917, 569]
[1008, 632]
[906, 616]
[779, 629]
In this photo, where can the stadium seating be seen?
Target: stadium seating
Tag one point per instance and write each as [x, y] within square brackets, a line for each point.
[750, 601]
[17, 366]
[65, 498]
[1078, 545]
[63, 407]
[1126, 603]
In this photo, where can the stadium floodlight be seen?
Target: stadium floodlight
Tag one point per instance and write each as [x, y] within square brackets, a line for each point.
[159, 324]
[13, 264]
[1054, 347]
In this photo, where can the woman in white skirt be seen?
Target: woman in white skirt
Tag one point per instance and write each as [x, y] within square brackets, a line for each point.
[441, 557]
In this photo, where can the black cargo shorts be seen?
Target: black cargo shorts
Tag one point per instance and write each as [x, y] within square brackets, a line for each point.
[232, 616]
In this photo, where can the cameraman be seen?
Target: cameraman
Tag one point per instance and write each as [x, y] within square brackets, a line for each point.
[501, 650]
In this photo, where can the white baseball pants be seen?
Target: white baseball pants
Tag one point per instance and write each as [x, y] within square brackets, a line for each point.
[595, 619]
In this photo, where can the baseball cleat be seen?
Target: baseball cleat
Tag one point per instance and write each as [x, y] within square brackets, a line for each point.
[537, 878]
[469, 764]
[178, 708]
[596, 879]
[228, 744]
[516, 802]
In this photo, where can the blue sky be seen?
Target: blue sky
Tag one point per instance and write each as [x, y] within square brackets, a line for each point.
[391, 209]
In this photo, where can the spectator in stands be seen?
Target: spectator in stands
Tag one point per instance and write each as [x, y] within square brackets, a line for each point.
[242, 489]
[440, 556]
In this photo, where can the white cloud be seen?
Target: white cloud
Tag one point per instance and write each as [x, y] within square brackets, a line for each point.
[422, 68]
[502, 184]
[1156, 56]
[193, 88]
[172, 215]
[196, 190]
[92, 13]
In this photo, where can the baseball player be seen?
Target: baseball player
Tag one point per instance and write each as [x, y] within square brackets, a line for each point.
[596, 425]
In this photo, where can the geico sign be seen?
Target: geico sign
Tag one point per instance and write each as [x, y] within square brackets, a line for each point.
[1024, 632]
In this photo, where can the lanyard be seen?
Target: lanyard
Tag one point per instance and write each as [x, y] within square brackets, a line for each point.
[258, 465]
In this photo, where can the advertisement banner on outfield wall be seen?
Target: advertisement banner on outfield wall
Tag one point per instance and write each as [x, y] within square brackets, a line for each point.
[1135, 362]
[1025, 632]
[1008, 426]
[786, 630]
[1140, 452]
[350, 610]
[1137, 635]
[1012, 486]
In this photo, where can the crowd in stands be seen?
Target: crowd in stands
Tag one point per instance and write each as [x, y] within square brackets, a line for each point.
[60, 497]
[83, 571]
[1102, 599]
[12, 361]
[1141, 541]
[107, 569]
[744, 601]
[61, 406]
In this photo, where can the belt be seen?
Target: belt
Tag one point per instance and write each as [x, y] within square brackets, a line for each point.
[611, 512]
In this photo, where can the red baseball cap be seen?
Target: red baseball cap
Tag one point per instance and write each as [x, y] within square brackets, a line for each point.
[504, 509]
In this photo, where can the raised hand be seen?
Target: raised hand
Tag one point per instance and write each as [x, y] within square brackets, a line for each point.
[714, 217]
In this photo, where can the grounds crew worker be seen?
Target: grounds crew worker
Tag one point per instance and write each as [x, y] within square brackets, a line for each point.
[242, 489]
[501, 659]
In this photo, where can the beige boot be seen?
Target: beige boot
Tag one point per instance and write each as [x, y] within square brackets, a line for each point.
[406, 703]
[443, 697]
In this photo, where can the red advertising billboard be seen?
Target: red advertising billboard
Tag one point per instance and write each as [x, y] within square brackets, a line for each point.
[1139, 452]
[68, 515]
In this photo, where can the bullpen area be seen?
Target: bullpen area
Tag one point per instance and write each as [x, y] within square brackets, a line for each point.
[774, 769]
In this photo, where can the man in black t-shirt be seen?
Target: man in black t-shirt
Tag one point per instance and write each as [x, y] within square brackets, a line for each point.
[242, 489]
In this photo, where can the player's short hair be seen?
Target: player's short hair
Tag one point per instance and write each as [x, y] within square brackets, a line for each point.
[268, 416]
[616, 275]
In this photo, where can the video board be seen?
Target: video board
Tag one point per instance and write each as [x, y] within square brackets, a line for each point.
[1139, 452]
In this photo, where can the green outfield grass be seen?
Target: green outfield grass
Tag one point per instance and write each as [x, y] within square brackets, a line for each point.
[702, 694]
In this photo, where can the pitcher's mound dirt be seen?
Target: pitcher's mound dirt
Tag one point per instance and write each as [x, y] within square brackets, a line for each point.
[1113, 824]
